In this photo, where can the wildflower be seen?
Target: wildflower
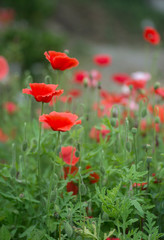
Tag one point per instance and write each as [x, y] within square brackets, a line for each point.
[4, 68]
[94, 177]
[68, 155]
[72, 187]
[102, 60]
[10, 107]
[3, 137]
[43, 92]
[74, 93]
[60, 61]
[95, 133]
[120, 78]
[60, 121]
[151, 35]
[70, 170]
[79, 76]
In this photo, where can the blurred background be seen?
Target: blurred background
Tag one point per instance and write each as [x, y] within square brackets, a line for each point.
[84, 27]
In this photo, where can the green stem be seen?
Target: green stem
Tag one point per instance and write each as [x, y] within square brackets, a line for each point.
[39, 140]
[135, 149]
[52, 175]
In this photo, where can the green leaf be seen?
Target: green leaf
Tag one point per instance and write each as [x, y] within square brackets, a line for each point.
[4, 233]
[137, 205]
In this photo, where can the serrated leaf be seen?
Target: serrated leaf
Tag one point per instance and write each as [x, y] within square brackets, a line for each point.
[137, 205]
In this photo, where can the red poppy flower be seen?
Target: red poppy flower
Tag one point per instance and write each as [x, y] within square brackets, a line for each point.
[6, 15]
[43, 92]
[151, 35]
[79, 76]
[70, 170]
[60, 61]
[159, 111]
[4, 68]
[120, 78]
[74, 93]
[60, 121]
[143, 185]
[68, 155]
[3, 137]
[137, 84]
[10, 107]
[72, 187]
[160, 92]
[94, 177]
[102, 60]
[95, 133]
[66, 99]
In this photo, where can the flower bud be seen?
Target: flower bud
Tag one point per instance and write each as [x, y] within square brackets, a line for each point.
[77, 153]
[68, 229]
[99, 85]
[85, 82]
[156, 85]
[134, 130]
[113, 122]
[24, 146]
[157, 120]
[149, 160]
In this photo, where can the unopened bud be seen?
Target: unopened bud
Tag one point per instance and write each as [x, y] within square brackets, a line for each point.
[68, 229]
[77, 153]
[134, 130]
[85, 82]
[24, 146]
[149, 160]
[157, 120]
[156, 85]
[113, 122]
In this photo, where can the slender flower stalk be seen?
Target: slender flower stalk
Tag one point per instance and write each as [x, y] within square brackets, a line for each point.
[39, 141]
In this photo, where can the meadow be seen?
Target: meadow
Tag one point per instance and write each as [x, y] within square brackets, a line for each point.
[78, 161]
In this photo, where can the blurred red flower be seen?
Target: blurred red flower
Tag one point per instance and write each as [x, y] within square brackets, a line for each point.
[74, 93]
[94, 177]
[79, 76]
[113, 239]
[151, 35]
[10, 107]
[102, 60]
[70, 170]
[120, 78]
[72, 187]
[60, 121]
[43, 92]
[3, 137]
[60, 61]
[4, 68]
[160, 92]
[6, 15]
[95, 133]
[68, 155]
[137, 84]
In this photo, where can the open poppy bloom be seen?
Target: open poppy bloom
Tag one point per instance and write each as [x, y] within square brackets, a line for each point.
[60, 121]
[75, 93]
[72, 187]
[94, 177]
[137, 84]
[102, 60]
[95, 133]
[160, 92]
[60, 61]
[151, 35]
[4, 68]
[43, 92]
[120, 78]
[68, 155]
[112, 239]
[10, 107]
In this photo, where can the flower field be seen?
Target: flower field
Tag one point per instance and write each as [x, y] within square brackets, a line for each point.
[78, 161]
